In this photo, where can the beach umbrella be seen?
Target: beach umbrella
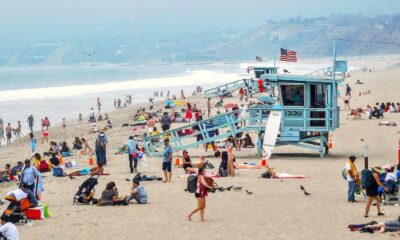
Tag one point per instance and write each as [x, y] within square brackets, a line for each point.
[229, 105]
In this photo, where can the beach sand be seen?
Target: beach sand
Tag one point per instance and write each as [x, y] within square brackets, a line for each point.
[276, 210]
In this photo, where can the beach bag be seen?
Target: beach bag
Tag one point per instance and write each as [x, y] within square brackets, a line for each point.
[58, 172]
[267, 174]
[344, 173]
[192, 183]
[222, 172]
[208, 165]
[43, 166]
[366, 178]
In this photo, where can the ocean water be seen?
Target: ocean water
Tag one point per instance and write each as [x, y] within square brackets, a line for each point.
[65, 91]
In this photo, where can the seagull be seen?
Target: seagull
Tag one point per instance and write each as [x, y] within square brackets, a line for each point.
[306, 193]
[229, 188]
[237, 188]
[362, 140]
[248, 192]
[302, 188]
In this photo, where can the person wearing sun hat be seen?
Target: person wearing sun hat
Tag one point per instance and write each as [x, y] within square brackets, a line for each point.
[372, 191]
[100, 147]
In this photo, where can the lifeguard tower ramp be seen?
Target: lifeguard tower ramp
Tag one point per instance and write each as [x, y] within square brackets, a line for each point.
[308, 108]
[249, 84]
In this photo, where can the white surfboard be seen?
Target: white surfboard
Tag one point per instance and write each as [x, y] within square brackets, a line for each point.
[271, 131]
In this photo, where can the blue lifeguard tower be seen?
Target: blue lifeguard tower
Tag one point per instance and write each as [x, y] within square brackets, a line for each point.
[308, 105]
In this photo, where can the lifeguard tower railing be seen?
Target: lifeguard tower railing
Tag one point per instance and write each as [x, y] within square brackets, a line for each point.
[220, 127]
[249, 84]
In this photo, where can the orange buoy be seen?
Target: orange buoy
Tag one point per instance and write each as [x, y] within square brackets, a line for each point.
[60, 159]
[91, 161]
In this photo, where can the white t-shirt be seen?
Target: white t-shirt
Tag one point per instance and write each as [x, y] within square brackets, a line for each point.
[391, 176]
[347, 167]
[9, 231]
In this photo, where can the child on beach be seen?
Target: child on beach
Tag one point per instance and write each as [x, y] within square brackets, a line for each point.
[45, 132]
[33, 142]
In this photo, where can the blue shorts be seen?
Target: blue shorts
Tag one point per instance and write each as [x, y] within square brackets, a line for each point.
[166, 166]
[84, 171]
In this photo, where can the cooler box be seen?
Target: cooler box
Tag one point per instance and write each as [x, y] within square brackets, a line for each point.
[36, 213]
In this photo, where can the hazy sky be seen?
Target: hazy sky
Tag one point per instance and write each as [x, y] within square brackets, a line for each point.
[203, 14]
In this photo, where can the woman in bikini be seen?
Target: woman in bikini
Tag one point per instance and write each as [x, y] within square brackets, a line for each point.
[231, 157]
[200, 194]
[189, 166]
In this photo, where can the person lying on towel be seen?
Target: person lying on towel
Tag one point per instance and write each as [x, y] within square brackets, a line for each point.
[97, 170]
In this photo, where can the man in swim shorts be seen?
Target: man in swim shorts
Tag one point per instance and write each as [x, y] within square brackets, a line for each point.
[88, 171]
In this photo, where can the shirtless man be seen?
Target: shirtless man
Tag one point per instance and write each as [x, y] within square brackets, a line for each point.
[151, 123]
[8, 133]
[97, 170]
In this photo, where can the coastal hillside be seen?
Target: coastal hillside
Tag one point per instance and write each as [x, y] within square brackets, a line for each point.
[128, 42]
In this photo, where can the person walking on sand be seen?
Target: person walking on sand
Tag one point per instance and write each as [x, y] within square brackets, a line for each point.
[8, 133]
[132, 148]
[347, 102]
[372, 191]
[167, 161]
[98, 104]
[80, 117]
[200, 194]
[18, 130]
[352, 178]
[30, 121]
[348, 89]
[1, 131]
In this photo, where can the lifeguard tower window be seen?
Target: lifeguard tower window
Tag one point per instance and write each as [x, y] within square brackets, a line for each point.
[258, 73]
[292, 95]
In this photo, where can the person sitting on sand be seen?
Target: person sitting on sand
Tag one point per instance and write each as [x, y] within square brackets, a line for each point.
[392, 108]
[109, 197]
[359, 82]
[77, 144]
[86, 146]
[8, 230]
[93, 129]
[247, 142]
[54, 161]
[138, 193]
[5, 175]
[97, 170]
[109, 124]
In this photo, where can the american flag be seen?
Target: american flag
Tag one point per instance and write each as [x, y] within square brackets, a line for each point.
[288, 55]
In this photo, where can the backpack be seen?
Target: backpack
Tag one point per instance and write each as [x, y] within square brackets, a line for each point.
[192, 183]
[267, 174]
[222, 172]
[366, 178]
[43, 166]
[58, 172]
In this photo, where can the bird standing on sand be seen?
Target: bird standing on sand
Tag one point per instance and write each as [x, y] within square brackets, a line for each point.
[248, 192]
